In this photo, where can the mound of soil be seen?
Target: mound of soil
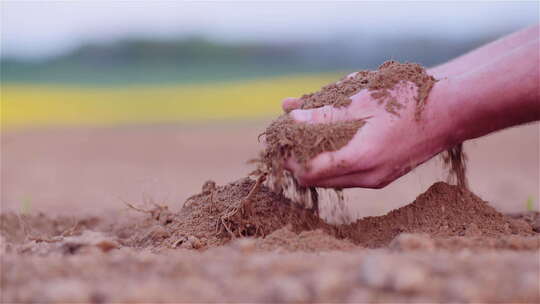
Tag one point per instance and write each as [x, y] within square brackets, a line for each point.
[246, 208]
[442, 211]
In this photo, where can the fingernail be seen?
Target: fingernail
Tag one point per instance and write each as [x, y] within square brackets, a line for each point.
[301, 115]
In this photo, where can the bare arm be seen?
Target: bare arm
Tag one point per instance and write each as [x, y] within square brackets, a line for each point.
[486, 53]
[491, 94]
[500, 94]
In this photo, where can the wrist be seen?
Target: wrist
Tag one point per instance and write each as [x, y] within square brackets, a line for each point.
[443, 115]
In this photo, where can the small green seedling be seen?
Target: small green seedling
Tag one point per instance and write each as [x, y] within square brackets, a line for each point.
[530, 204]
[26, 205]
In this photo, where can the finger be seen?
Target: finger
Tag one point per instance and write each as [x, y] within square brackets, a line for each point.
[374, 178]
[305, 175]
[325, 166]
[362, 179]
[290, 103]
[351, 75]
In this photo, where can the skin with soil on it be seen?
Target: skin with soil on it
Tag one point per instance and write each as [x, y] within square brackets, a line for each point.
[286, 139]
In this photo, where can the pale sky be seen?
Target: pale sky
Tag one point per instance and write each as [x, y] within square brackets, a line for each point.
[44, 28]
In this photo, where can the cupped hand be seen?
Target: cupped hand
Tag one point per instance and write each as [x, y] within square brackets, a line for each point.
[391, 143]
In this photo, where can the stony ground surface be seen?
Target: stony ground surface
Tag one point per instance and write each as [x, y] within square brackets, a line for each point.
[66, 236]
[93, 262]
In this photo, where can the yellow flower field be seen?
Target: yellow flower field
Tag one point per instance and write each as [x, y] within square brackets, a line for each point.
[38, 105]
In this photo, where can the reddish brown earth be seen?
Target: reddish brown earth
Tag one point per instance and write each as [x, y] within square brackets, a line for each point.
[78, 242]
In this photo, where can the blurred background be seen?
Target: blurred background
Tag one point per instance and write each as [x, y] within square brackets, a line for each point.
[109, 101]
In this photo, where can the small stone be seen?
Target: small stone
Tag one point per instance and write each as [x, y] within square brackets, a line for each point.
[195, 242]
[409, 277]
[473, 230]
[536, 225]
[287, 289]
[412, 241]
[158, 233]
[518, 225]
[208, 187]
[376, 272]
[179, 242]
[107, 245]
[245, 245]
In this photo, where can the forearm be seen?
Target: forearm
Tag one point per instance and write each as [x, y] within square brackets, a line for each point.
[485, 54]
[500, 94]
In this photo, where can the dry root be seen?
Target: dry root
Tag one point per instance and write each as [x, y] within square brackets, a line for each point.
[243, 209]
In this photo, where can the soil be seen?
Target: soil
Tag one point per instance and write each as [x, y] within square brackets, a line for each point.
[455, 160]
[220, 214]
[217, 215]
[446, 246]
[379, 81]
[286, 139]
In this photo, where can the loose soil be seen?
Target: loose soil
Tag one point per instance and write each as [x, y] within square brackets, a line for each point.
[286, 139]
[446, 246]
[220, 214]
[379, 81]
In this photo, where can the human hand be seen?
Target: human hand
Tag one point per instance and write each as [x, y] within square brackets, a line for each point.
[391, 143]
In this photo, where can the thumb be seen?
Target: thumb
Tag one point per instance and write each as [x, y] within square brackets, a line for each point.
[290, 103]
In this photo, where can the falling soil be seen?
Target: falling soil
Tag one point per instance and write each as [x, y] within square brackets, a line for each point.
[286, 139]
[455, 160]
